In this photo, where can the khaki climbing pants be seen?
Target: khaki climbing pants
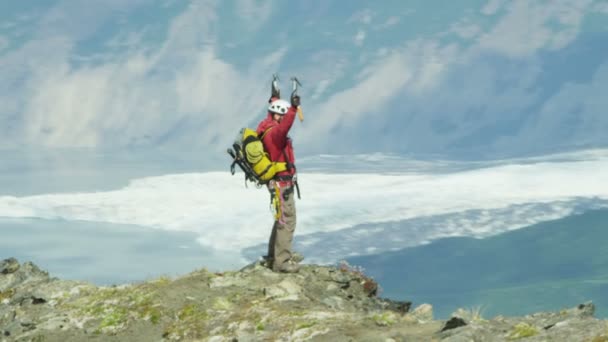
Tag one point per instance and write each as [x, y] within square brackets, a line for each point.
[279, 245]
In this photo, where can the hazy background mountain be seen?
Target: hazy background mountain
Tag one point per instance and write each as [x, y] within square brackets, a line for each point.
[466, 79]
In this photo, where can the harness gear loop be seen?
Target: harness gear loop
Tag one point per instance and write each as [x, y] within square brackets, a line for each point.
[277, 200]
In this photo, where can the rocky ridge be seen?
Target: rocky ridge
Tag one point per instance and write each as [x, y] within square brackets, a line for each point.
[319, 303]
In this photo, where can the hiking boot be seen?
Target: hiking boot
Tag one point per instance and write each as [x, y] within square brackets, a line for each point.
[296, 257]
[288, 267]
[266, 261]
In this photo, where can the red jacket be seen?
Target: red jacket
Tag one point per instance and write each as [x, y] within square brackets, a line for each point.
[277, 143]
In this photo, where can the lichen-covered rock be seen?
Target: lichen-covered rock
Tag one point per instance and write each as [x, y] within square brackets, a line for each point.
[423, 313]
[255, 304]
[575, 324]
[13, 274]
[8, 266]
[287, 289]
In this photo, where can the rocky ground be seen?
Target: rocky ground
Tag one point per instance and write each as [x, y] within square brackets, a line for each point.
[254, 304]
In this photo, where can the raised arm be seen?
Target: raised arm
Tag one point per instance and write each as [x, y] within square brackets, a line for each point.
[284, 126]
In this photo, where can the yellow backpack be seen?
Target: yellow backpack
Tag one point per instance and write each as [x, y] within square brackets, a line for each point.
[250, 155]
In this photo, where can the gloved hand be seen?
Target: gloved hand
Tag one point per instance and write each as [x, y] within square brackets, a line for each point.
[295, 101]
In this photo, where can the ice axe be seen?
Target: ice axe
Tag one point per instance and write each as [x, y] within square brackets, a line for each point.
[296, 83]
[275, 92]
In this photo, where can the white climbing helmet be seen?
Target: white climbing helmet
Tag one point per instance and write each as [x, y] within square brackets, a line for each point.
[279, 107]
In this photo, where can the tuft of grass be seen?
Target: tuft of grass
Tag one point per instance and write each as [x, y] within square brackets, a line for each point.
[260, 326]
[190, 312]
[222, 304]
[155, 317]
[189, 324]
[113, 321]
[522, 330]
[162, 281]
[473, 314]
[150, 312]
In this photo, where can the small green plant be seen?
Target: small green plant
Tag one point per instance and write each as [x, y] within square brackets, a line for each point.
[522, 330]
[155, 317]
[117, 307]
[113, 320]
[260, 326]
[385, 319]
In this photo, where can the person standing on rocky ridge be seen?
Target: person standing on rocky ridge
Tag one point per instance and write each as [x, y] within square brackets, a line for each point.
[274, 130]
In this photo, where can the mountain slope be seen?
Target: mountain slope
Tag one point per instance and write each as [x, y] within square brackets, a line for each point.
[541, 267]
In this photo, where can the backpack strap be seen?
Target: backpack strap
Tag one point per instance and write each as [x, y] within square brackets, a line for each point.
[265, 132]
[248, 140]
[261, 174]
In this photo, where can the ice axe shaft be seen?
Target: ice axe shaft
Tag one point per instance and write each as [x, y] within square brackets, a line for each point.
[295, 84]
